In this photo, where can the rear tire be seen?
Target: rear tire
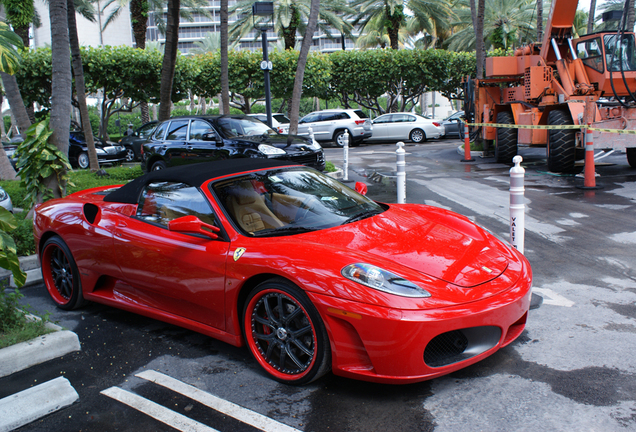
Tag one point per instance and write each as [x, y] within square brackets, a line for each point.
[338, 138]
[506, 144]
[631, 157]
[285, 334]
[130, 154]
[561, 153]
[417, 136]
[60, 275]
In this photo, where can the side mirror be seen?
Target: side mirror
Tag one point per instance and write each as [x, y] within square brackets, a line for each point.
[192, 224]
[210, 136]
[361, 188]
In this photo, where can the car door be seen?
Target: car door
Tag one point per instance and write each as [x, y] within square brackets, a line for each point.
[313, 121]
[180, 274]
[174, 143]
[200, 147]
[380, 126]
[399, 127]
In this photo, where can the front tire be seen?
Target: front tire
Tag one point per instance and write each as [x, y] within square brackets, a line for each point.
[82, 160]
[506, 145]
[285, 333]
[417, 136]
[60, 275]
[159, 165]
[561, 153]
[130, 154]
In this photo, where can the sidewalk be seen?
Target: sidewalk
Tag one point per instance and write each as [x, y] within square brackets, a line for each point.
[37, 401]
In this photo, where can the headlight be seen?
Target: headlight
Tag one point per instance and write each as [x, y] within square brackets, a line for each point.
[3, 195]
[99, 151]
[382, 280]
[268, 150]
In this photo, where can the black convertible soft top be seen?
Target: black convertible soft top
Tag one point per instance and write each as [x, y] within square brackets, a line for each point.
[193, 175]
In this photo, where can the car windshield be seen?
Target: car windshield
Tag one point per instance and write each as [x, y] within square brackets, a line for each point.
[290, 201]
[232, 127]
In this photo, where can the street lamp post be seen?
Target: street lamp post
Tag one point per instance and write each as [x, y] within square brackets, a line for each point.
[265, 10]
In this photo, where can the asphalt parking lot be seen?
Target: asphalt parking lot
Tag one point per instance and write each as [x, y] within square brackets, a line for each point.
[571, 369]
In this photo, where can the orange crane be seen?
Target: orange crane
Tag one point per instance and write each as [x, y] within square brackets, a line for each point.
[562, 82]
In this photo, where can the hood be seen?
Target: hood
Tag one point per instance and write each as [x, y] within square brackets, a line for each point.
[436, 242]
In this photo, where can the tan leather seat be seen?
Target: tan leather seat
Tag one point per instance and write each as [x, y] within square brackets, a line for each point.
[251, 212]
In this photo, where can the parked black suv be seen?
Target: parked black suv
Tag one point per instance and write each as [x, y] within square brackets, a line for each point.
[193, 139]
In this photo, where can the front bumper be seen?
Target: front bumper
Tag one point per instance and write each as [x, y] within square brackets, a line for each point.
[395, 346]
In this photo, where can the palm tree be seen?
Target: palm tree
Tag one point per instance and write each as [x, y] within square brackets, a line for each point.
[87, 11]
[505, 23]
[169, 59]
[61, 85]
[225, 73]
[294, 107]
[10, 42]
[390, 16]
[290, 17]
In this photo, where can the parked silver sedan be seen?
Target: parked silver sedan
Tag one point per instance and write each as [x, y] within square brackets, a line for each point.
[405, 126]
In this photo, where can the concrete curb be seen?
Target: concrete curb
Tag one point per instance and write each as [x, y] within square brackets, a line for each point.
[460, 150]
[21, 356]
[31, 266]
[31, 404]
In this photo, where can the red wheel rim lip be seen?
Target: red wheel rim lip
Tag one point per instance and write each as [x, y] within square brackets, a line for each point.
[255, 349]
[53, 290]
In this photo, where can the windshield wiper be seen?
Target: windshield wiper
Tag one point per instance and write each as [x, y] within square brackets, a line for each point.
[283, 231]
[363, 215]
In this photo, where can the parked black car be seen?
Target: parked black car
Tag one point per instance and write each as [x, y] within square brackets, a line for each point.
[193, 139]
[107, 152]
[133, 142]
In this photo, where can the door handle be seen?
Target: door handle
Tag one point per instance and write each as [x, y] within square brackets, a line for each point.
[189, 148]
[121, 224]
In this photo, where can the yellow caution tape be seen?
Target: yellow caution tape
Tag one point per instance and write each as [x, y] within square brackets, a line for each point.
[546, 127]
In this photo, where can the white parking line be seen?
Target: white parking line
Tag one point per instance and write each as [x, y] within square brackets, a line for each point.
[156, 411]
[244, 415]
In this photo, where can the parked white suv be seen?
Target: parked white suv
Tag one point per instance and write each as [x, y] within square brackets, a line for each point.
[280, 122]
[330, 125]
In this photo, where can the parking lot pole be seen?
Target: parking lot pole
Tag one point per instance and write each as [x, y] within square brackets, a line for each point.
[467, 157]
[400, 154]
[311, 134]
[517, 205]
[345, 148]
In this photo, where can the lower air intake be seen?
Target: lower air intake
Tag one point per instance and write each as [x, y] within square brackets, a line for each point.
[458, 345]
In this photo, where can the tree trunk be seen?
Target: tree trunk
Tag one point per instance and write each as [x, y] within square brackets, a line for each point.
[169, 59]
[6, 169]
[15, 101]
[540, 20]
[225, 80]
[61, 85]
[630, 15]
[139, 21]
[80, 86]
[479, 39]
[145, 113]
[294, 107]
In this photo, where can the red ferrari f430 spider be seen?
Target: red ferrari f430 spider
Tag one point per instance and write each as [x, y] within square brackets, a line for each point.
[309, 274]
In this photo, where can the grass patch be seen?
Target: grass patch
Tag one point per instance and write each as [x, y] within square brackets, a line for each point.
[330, 167]
[14, 325]
[475, 146]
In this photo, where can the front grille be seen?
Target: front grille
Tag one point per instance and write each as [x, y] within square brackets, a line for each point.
[458, 345]
[445, 349]
[306, 159]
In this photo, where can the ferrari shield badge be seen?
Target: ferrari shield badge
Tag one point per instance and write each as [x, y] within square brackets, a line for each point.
[238, 253]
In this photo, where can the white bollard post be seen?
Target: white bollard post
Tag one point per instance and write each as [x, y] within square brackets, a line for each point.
[345, 168]
[400, 154]
[517, 205]
[311, 134]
